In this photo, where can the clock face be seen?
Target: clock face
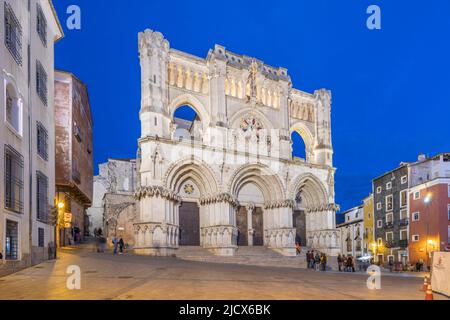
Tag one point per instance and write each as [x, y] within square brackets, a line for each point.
[250, 125]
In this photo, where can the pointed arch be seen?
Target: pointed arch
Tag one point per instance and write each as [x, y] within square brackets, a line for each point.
[311, 188]
[194, 103]
[262, 176]
[235, 120]
[307, 136]
[195, 169]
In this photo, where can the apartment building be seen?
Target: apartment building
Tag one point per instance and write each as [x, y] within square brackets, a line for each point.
[27, 150]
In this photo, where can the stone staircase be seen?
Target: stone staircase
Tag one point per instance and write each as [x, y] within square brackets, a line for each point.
[252, 256]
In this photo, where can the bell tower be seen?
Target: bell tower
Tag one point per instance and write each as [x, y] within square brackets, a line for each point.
[154, 56]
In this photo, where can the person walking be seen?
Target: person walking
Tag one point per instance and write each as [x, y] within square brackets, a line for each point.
[115, 244]
[121, 245]
[324, 262]
[317, 261]
[339, 260]
[308, 259]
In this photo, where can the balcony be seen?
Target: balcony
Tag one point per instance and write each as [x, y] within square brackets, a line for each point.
[404, 222]
[389, 225]
[76, 176]
[403, 243]
[390, 244]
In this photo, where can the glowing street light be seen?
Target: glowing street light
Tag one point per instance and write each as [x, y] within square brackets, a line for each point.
[427, 199]
[61, 205]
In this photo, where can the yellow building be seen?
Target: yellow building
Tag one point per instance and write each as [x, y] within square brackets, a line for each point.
[369, 238]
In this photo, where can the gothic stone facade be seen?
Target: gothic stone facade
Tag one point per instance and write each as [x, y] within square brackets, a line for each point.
[235, 180]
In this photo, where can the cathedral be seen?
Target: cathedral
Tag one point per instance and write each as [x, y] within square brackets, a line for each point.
[227, 177]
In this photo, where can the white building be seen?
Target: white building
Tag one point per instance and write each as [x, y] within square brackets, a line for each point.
[117, 177]
[352, 232]
[234, 182]
[29, 30]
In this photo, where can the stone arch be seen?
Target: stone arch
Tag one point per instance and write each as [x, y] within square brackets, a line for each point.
[194, 103]
[307, 136]
[195, 169]
[312, 189]
[263, 177]
[234, 121]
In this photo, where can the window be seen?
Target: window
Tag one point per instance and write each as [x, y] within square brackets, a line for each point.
[378, 190]
[403, 214]
[389, 203]
[379, 206]
[415, 238]
[448, 212]
[380, 241]
[12, 240]
[13, 180]
[416, 216]
[403, 234]
[389, 186]
[13, 110]
[404, 179]
[389, 218]
[403, 198]
[389, 236]
[41, 82]
[448, 233]
[41, 25]
[42, 141]
[416, 195]
[41, 237]
[449, 190]
[379, 223]
[13, 34]
[42, 196]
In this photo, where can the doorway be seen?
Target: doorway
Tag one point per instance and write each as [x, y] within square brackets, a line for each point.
[189, 224]
[299, 221]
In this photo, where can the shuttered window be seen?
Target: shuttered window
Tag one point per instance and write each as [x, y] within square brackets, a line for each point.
[42, 196]
[42, 141]
[13, 180]
[13, 34]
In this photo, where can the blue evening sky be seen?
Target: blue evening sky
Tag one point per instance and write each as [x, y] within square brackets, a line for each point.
[391, 96]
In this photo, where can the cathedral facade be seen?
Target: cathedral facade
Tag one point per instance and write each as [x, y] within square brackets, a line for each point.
[230, 179]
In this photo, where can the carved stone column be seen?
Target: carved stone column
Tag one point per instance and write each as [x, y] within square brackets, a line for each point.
[250, 207]
[157, 230]
[219, 235]
[280, 235]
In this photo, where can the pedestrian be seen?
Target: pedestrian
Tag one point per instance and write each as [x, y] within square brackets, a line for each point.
[339, 260]
[317, 261]
[115, 244]
[121, 245]
[324, 262]
[95, 232]
[307, 259]
[298, 249]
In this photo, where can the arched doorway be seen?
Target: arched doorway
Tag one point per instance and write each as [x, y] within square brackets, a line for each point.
[249, 218]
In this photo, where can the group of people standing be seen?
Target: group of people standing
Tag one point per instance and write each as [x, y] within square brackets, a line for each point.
[118, 243]
[316, 260]
[346, 263]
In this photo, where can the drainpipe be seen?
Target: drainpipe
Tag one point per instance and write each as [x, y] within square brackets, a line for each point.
[30, 139]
